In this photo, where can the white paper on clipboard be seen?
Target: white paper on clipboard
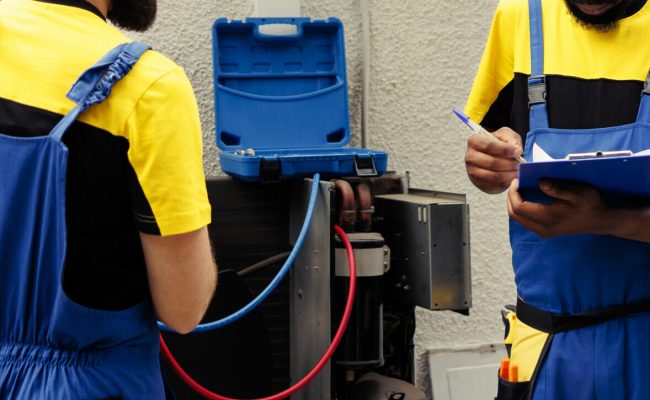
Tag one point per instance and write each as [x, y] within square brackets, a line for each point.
[539, 154]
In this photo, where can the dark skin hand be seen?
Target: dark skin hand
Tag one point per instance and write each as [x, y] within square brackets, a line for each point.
[577, 209]
[490, 163]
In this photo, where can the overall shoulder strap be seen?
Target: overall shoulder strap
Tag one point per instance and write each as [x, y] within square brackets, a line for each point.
[644, 108]
[95, 84]
[537, 80]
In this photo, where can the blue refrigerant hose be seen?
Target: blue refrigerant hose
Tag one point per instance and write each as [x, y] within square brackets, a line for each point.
[278, 278]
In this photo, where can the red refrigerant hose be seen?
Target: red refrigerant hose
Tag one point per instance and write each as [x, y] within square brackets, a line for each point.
[304, 381]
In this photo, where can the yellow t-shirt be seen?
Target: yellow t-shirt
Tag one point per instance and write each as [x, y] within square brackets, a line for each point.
[135, 160]
[594, 79]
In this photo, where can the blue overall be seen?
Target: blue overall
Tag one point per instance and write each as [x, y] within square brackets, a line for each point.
[50, 346]
[580, 273]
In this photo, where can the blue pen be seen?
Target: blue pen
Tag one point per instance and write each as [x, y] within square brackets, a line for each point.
[476, 128]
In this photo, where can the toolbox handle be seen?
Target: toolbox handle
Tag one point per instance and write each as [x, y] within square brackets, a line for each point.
[278, 29]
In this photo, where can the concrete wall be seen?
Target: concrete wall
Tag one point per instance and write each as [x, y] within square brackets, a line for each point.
[424, 57]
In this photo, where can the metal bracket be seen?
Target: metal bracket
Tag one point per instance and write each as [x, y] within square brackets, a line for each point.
[270, 170]
[365, 166]
[276, 8]
[536, 90]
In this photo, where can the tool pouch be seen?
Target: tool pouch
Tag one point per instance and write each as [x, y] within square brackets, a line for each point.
[520, 338]
[512, 390]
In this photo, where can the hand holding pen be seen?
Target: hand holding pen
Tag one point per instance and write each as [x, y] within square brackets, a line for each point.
[492, 159]
[476, 128]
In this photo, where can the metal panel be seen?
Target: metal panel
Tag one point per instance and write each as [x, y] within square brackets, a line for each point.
[449, 263]
[310, 326]
[452, 368]
[428, 233]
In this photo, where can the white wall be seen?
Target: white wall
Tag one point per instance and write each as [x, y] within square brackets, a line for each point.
[424, 57]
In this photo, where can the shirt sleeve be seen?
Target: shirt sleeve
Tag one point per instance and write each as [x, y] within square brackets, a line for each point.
[496, 69]
[169, 194]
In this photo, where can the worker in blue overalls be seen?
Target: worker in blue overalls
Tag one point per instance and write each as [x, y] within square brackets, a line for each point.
[569, 76]
[103, 219]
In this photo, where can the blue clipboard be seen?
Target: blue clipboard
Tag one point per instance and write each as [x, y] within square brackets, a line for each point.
[619, 180]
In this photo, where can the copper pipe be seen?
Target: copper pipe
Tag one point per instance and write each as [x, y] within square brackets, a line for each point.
[364, 215]
[347, 207]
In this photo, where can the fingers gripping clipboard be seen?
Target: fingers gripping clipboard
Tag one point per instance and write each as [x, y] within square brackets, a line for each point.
[621, 178]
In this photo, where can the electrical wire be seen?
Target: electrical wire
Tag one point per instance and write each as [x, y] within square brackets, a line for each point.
[263, 264]
[276, 280]
[323, 361]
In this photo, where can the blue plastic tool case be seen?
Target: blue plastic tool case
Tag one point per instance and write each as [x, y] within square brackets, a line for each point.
[286, 98]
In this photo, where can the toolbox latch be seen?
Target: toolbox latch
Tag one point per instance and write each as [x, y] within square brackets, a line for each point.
[365, 166]
[270, 170]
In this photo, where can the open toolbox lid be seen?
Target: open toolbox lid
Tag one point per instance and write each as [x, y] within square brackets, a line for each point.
[280, 92]
[285, 97]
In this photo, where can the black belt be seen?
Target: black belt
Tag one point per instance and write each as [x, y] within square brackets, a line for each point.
[551, 323]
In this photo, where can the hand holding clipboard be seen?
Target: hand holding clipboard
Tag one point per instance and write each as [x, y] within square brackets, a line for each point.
[621, 177]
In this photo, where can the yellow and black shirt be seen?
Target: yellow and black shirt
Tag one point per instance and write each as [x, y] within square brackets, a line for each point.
[135, 161]
[593, 79]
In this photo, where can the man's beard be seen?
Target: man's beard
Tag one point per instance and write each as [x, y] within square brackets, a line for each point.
[604, 22]
[133, 15]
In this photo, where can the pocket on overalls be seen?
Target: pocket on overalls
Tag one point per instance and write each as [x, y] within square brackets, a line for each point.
[512, 390]
[524, 345]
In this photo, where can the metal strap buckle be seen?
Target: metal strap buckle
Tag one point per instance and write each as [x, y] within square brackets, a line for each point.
[536, 90]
